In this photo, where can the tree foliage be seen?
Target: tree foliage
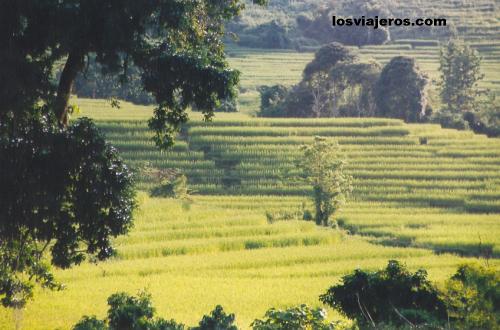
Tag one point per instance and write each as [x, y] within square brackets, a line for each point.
[271, 99]
[127, 312]
[401, 91]
[176, 45]
[63, 191]
[324, 169]
[217, 320]
[393, 295]
[300, 317]
[96, 83]
[334, 84]
[460, 73]
[472, 297]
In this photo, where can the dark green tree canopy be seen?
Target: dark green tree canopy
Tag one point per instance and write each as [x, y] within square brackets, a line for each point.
[176, 45]
[327, 57]
[401, 91]
[393, 295]
[63, 191]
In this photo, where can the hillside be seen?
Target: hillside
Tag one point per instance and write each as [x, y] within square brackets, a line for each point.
[267, 67]
[413, 201]
[395, 166]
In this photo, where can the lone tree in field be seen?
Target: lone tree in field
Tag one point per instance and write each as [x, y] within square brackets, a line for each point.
[460, 74]
[324, 169]
[64, 193]
[401, 91]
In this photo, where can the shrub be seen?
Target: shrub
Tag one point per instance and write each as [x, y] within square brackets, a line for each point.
[90, 323]
[217, 320]
[296, 318]
[271, 98]
[128, 313]
[393, 295]
[448, 119]
[472, 297]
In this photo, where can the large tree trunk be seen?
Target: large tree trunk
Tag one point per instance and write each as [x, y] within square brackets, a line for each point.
[74, 64]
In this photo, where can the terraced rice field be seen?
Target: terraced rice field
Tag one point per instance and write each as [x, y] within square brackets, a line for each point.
[424, 195]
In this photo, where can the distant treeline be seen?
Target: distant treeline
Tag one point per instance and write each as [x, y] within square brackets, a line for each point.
[307, 24]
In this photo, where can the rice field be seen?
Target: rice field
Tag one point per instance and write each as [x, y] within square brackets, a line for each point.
[424, 195]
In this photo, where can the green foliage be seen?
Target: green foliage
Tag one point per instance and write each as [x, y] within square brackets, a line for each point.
[90, 323]
[472, 297]
[63, 191]
[393, 296]
[127, 312]
[449, 119]
[96, 83]
[460, 68]
[324, 169]
[269, 35]
[300, 317]
[217, 320]
[271, 99]
[487, 120]
[401, 91]
[327, 57]
[176, 46]
[334, 84]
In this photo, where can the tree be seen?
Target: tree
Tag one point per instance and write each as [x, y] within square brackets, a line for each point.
[401, 91]
[316, 77]
[62, 187]
[270, 99]
[176, 45]
[66, 192]
[127, 312]
[217, 320]
[296, 318]
[460, 74]
[323, 168]
[392, 295]
[472, 297]
[355, 83]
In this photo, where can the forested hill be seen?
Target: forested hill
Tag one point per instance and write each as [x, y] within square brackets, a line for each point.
[303, 24]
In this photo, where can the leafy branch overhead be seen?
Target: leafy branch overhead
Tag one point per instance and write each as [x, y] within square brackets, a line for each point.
[176, 45]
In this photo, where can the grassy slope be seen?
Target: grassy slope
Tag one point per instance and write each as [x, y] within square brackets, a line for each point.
[220, 248]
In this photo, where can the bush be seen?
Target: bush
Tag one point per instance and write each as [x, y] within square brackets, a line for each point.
[268, 35]
[472, 297]
[90, 323]
[217, 320]
[449, 119]
[296, 318]
[128, 313]
[393, 296]
[271, 98]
